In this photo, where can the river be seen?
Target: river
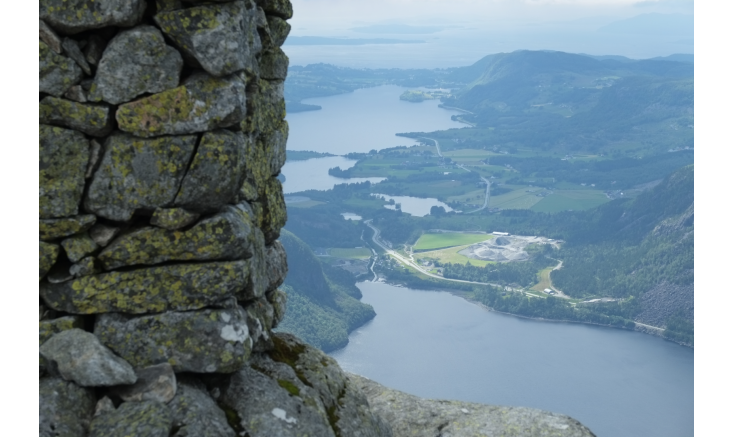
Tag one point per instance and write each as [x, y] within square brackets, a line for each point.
[434, 344]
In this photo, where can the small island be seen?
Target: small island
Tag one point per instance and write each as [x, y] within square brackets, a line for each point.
[303, 155]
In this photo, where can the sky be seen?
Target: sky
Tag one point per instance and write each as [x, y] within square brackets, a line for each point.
[459, 32]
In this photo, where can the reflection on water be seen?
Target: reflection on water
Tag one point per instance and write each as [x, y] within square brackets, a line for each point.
[415, 206]
[351, 216]
[436, 345]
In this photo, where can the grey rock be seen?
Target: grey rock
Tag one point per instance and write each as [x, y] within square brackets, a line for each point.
[173, 218]
[59, 273]
[103, 234]
[138, 173]
[203, 103]
[260, 322]
[50, 229]
[274, 64]
[263, 408]
[64, 408]
[280, 8]
[266, 106]
[216, 172]
[94, 120]
[196, 414]
[72, 50]
[275, 216]
[167, 5]
[276, 265]
[47, 35]
[85, 267]
[95, 152]
[80, 357]
[155, 383]
[63, 156]
[224, 236]
[204, 341]
[223, 38]
[104, 406]
[139, 419]
[277, 298]
[56, 73]
[94, 49]
[47, 328]
[278, 29]
[78, 246]
[178, 287]
[275, 147]
[74, 16]
[135, 62]
[410, 415]
[47, 255]
[76, 94]
[257, 265]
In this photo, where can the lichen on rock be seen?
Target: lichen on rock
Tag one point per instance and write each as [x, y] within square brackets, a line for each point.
[202, 103]
[47, 254]
[138, 174]
[223, 38]
[56, 73]
[74, 16]
[63, 156]
[50, 229]
[135, 62]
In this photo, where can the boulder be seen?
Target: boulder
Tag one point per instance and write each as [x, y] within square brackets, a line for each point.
[64, 408]
[50, 229]
[136, 61]
[74, 16]
[93, 120]
[72, 50]
[274, 144]
[139, 419]
[173, 218]
[63, 156]
[223, 38]
[204, 341]
[410, 415]
[167, 5]
[276, 265]
[278, 29]
[47, 255]
[78, 246]
[224, 236]
[155, 383]
[203, 103]
[216, 172]
[178, 287]
[47, 328]
[102, 234]
[80, 357]
[274, 64]
[47, 35]
[138, 174]
[104, 406]
[279, 8]
[196, 414]
[56, 73]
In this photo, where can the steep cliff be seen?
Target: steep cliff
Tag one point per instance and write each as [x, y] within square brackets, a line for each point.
[161, 133]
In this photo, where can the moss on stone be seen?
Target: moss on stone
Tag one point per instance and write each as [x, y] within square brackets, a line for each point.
[92, 119]
[63, 156]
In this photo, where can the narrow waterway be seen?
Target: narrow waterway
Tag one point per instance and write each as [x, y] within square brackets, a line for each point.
[433, 344]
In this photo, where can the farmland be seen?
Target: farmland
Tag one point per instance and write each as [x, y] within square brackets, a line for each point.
[444, 240]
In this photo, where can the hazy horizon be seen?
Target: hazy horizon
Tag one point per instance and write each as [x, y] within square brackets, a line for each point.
[459, 32]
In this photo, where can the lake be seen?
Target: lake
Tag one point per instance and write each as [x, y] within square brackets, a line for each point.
[416, 206]
[436, 345]
[312, 174]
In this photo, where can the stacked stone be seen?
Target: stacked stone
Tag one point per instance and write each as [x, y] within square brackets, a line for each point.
[162, 131]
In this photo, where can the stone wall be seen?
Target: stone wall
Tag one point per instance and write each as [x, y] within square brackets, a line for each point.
[161, 133]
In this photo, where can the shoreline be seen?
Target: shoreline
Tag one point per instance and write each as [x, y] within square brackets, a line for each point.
[643, 330]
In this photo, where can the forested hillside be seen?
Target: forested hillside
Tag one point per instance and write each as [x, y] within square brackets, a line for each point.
[322, 306]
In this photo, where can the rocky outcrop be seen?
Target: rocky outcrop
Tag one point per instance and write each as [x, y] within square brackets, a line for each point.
[410, 415]
[161, 135]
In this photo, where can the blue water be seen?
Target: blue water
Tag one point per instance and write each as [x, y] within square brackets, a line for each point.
[433, 344]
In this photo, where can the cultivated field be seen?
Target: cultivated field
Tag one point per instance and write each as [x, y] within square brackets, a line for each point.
[543, 280]
[450, 255]
[443, 240]
[563, 200]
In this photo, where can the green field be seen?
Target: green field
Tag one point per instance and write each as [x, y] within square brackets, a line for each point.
[544, 281]
[517, 199]
[306, 204]
[450, 255]
[563, 200]
[356, 253]
[439, 241]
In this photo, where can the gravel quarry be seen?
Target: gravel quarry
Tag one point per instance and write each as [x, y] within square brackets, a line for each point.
[503, 249]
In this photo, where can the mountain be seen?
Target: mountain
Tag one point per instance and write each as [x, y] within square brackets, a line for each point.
[323, 302]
